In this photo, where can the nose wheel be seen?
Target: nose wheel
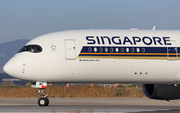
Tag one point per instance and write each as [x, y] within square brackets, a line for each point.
[43, 101]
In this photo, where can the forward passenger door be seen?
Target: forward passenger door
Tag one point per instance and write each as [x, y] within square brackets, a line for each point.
[70, 49]
[172, 51]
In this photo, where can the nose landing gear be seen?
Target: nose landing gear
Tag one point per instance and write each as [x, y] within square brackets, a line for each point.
[43, 101]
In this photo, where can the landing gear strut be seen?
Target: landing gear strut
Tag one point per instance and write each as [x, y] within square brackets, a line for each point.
[43, 101]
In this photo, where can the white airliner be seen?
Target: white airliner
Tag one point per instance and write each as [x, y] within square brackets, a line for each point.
[149, 57]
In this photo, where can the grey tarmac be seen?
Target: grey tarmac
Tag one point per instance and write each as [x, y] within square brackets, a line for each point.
[90, 105]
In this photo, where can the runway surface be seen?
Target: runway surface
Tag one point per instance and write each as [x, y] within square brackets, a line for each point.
[90, 105]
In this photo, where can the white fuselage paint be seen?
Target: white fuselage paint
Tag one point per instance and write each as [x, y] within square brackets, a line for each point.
[54, 65]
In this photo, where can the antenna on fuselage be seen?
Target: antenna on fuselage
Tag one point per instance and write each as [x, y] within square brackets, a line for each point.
[154, 28]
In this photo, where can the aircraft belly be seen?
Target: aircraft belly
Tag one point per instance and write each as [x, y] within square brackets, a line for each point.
[117, 71]
[104, 71]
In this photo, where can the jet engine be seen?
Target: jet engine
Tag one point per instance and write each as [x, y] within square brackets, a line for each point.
[162, 91]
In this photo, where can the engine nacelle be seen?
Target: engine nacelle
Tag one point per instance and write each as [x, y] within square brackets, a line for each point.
[161, 91]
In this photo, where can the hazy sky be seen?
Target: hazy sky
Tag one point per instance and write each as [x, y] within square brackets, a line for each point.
[27, 19]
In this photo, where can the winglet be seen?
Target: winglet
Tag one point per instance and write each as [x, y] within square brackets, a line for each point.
[154, 28]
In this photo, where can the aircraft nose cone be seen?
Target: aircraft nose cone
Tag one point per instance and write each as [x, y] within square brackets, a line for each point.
[9, 68]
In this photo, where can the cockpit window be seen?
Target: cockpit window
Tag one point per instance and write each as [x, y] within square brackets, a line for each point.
[31, 48]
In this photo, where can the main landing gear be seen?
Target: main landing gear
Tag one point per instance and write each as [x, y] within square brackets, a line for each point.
[43, 101]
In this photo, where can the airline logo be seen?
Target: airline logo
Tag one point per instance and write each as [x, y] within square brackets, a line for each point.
[117, 40]
[121, 50]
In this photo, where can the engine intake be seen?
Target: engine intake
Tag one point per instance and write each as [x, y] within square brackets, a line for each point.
[161, 91]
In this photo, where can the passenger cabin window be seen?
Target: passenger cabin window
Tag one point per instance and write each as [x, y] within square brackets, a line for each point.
[31, 48]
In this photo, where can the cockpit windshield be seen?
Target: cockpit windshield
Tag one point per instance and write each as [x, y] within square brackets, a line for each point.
[31, 48]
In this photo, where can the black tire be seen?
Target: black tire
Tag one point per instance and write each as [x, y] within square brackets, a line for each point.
[47, 102]
[43, 102]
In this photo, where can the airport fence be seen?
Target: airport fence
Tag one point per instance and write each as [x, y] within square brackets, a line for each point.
[76, 91]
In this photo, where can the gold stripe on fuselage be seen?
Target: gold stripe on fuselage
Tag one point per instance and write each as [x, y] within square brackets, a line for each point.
[131, 57]
[129, 54]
